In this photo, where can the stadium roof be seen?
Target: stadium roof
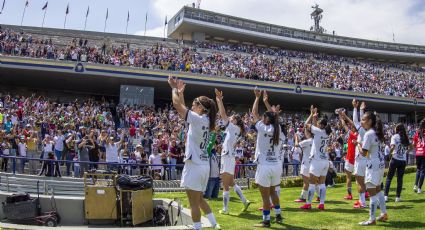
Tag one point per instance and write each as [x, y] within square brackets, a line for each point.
[200, 25]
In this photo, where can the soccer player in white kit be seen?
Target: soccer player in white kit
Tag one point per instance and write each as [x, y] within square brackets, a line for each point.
[305, 146]
[360, 160]
[269, 167]
[372, 148]
[319, 163]
[201, 120]
[235, 129]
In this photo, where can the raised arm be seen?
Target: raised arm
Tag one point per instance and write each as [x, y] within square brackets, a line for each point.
[177, 103]
[356, 119]
[312, 119]
[266, 101]
[221, 109]
[362, 108]
[255, 114]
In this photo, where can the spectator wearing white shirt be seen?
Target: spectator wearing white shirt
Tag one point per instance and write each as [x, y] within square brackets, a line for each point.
[22, 151]
[295, 159]
[155, 159]
[112, 149]
[59, 141]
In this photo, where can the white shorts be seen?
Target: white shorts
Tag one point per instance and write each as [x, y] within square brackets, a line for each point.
[319, 167]
[227, 165]
[349, 167]
[195, 176]
[268, 175]
[360, 167]
[305, 168]
[374, 173]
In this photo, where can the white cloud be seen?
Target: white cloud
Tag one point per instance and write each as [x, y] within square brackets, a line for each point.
[154, 32]
[369, 19]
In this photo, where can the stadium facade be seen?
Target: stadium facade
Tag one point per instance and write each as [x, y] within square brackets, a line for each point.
[200, 25]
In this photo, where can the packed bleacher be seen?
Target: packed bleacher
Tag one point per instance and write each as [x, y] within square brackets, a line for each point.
[234, 61]
[98, 134]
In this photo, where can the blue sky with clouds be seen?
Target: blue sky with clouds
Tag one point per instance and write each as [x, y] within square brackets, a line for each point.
[369, 19]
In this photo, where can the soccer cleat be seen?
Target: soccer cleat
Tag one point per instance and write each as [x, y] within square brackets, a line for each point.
[397, 199]
[419, 191]
[217, 227]
[386, 198]
[300, 200]
[306, 206]
[415, 188]
[359, 205]
[383, 217]
[263, 224]
[223, 212]
[368, 222]
[357, 202]
[246, 205]
[279, 219]
[348, 197]
[321, 207]
[367, 195]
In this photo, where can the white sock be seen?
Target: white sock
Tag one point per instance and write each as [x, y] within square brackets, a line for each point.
[382, 204]
[277, 189]
[373, 206]
[304, 194]
[211, 218]
[322, 193]
[362, 197]
[317, 189]
[226, 198]
[311, 189]
[197, 225]
[238, 191]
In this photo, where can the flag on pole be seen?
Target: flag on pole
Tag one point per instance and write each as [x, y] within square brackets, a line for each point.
[107, 14]
[128, 16]
[26, 4]
[67, 9]
[45, 5]
[2, 7]
[88, 10]
[166, 22]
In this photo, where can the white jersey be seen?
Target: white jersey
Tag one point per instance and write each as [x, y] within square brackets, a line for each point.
[360, 138]
[306, 145]
[374, 146]
[400, 151]
[231, 135]
[265, 151]
[198, 137]
[320, 144]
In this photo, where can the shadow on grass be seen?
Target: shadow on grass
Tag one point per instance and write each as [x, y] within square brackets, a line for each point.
[403, 224]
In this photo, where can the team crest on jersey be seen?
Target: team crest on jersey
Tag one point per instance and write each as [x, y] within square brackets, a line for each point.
[203, 127]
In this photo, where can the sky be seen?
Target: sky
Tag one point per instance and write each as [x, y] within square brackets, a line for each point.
[383, 20]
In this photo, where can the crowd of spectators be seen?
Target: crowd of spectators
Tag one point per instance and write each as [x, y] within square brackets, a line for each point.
[234, 61]
[130, 139]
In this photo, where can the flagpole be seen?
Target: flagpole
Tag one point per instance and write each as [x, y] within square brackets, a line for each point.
[146, 20]
[126, 28]
[42, 24]
[85, 24]
[23, 14]
[106, 19]
[64, 23]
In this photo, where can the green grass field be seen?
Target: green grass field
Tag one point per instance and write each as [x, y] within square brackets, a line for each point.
[339, 214]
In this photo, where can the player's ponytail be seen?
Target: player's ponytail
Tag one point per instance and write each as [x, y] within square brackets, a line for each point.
[240, 124]
[324, 124]
[274, 120]
[401, 130]
[421, 129]
[209, 108]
